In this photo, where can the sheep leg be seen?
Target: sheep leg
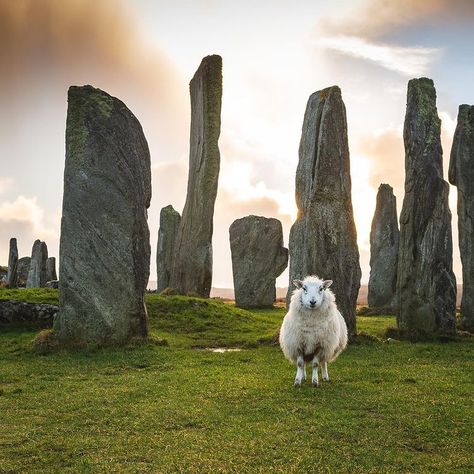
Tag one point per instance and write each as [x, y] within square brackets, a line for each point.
[304, 372]
[299, 371]
[314, 378]
[324, 370]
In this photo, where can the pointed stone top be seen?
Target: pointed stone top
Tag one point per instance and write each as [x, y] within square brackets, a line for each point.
[386, 188]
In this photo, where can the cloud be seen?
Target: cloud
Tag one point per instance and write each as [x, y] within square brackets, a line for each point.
[375, 18]
[413, 61]
[47, 45]
[25, 219]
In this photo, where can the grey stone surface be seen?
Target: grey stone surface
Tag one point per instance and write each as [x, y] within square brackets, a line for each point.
[426, 285]
[51, 269]
[192, 267]
[12, 276]
[461, 174]
[258, 258]
[19, 313]
[384, 241]
[37, 270]
[165, 252]
[104, 256]
[23, 270]
[323, 239]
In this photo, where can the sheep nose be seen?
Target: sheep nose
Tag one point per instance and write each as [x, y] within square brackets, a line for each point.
[312, 302]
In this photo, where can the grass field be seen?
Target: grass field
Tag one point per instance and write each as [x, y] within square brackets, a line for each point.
[390, 407]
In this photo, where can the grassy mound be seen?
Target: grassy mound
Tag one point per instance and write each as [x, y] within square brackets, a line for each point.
[210, 323]
[31, 295]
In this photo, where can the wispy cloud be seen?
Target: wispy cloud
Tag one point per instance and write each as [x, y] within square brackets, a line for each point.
[409, 61]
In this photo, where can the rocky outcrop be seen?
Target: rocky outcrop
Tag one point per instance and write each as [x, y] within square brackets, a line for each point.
[21, 314]
[258, 258]
[323, 239]
[51, 269]
[12, 276]
[104, 256]
[461, 175]
[384, 240]
[23, 270]
[192, 267]
[37, 270]
[165, 253]
[426, 285]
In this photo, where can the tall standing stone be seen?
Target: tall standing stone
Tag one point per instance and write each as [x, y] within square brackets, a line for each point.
[51, 269]
[323, 239]
[461, 174]
[23, 270]
[104, 255]
[37, 271]
[165, 253]
[258, 258]
[192, 267]
[426, 285]
[384, 241]
[12, 275]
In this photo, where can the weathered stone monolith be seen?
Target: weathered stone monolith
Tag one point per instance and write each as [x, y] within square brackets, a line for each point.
[192, 267]
[51, 269]
[12, 276]
[384, 241]
[165, 253]
[37, 270]
[426, 285]
[323, 239]
[461, 174]
[104, 255]
[258, 258]
[23, 270]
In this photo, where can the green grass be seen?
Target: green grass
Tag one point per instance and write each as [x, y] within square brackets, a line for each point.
[390, 407]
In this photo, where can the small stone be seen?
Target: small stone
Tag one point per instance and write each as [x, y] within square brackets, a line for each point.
[12, 276]
[37, 270]
[384, 240]
[258, 258]
[165, 253]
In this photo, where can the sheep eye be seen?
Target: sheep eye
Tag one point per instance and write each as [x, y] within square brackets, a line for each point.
[305, 289]
[321, 289]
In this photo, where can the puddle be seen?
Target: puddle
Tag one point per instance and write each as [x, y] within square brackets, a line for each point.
[223, 349]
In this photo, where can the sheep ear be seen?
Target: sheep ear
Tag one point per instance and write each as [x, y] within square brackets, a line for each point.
[327, 283]
[298, 283]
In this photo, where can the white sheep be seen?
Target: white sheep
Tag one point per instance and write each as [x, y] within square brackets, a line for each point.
[313, 330]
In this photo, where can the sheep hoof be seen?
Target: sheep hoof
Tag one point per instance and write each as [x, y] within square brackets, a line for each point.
[315, 384]
[326, 379]
[297, 384]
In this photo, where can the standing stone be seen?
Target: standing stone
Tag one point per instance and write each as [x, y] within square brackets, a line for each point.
[104, 255]
[165, 254]
[384, 240]
[37, 271]
[258, 258]
[12, 276]
[461, 174]
[426, 285]
[323, 239]
[23, 270]
[51, 269]
[192, 267]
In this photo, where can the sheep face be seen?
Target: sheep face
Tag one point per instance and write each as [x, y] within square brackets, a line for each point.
[311, 291]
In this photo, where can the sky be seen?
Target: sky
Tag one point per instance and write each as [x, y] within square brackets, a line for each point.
[275, 54]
